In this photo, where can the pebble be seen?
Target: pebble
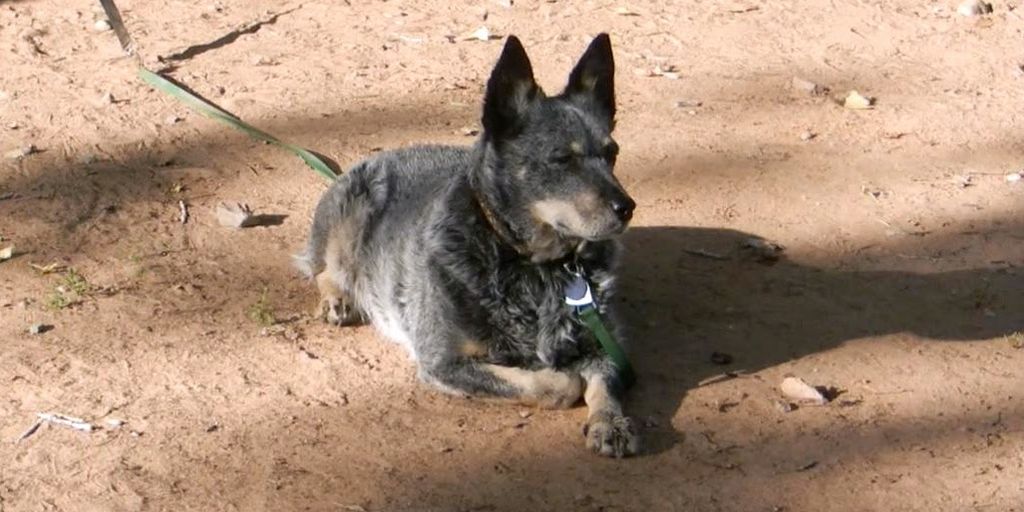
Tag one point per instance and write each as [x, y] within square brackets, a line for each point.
[171, 119]
[974, 8]
[101, 26]
[808, 86]
[39, 328]
[807, 135]
[1014, 177]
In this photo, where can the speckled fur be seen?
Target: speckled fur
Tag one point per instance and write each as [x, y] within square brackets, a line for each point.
[477, 302]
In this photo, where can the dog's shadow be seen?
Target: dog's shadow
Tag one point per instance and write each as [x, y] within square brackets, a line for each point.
[688, 292]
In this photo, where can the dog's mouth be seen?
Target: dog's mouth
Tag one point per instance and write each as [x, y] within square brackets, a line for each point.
[599, 235]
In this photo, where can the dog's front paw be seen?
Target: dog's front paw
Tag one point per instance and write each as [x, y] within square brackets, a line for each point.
[612, 436]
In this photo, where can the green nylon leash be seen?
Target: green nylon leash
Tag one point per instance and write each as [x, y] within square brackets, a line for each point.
[202, 106]
[198, 104]
[592, 319]
[577, 295]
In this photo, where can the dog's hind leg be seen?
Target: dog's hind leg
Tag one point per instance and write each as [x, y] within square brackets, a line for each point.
[544, 388]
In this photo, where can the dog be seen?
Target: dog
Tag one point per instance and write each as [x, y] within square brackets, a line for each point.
[463, 254]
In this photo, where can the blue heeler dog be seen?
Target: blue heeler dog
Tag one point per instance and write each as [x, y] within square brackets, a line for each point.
[463, 254]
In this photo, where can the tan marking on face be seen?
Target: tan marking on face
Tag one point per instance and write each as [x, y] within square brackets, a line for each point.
[575, 214]
[545, 388]
[473, 349]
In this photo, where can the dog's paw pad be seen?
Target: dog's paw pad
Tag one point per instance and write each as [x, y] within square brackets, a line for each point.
[613, 437]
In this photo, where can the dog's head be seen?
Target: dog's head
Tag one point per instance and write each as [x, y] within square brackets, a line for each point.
[552, 157]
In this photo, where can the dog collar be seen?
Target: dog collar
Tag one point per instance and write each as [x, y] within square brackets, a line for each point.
[580, 298]
[503, 231]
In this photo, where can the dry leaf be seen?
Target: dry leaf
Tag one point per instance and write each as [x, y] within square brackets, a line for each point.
[856, 101]
[47, 269]
[237, 215]
[794, 388]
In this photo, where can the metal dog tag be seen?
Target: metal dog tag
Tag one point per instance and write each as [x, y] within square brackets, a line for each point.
[577, 292]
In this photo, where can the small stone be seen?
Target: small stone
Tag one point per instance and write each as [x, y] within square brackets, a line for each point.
[974, 8]
[808, 87]
[101, 26]
[107, 99]
[114, 422]
[39, 328]
[857, 101]
[525, 414]
[21, 152]
[1014, 177]
[480, 34]
[807, 135]
[13, 125]
[795, 388]
[172, 119]
[469, 132]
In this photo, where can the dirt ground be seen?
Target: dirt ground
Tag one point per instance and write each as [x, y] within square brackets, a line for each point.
[901, 284]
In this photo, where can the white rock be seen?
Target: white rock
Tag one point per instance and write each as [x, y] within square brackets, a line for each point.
[101, 26]
[974, 8]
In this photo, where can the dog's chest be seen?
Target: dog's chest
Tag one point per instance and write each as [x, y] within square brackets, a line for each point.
[528, 319]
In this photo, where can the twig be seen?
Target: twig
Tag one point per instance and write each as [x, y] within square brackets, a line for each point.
[31, 430]
[184, 211]
[706, 254]
[66, 421]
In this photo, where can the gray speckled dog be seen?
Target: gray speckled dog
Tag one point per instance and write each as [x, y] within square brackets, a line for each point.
[462, 254]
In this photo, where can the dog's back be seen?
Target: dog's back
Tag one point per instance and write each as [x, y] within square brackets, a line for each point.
[370, 228]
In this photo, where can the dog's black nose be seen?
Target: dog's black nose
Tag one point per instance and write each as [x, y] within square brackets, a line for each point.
[623, 208]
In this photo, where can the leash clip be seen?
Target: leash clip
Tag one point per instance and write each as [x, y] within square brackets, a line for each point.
[577, 292]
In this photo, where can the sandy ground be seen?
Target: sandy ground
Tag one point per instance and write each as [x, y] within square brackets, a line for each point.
[900, 285]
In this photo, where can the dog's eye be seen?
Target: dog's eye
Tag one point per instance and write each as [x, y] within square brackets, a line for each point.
[561, 158]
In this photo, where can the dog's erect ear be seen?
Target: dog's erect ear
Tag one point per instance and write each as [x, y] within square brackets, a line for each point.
[510, 91]
[592, 81]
